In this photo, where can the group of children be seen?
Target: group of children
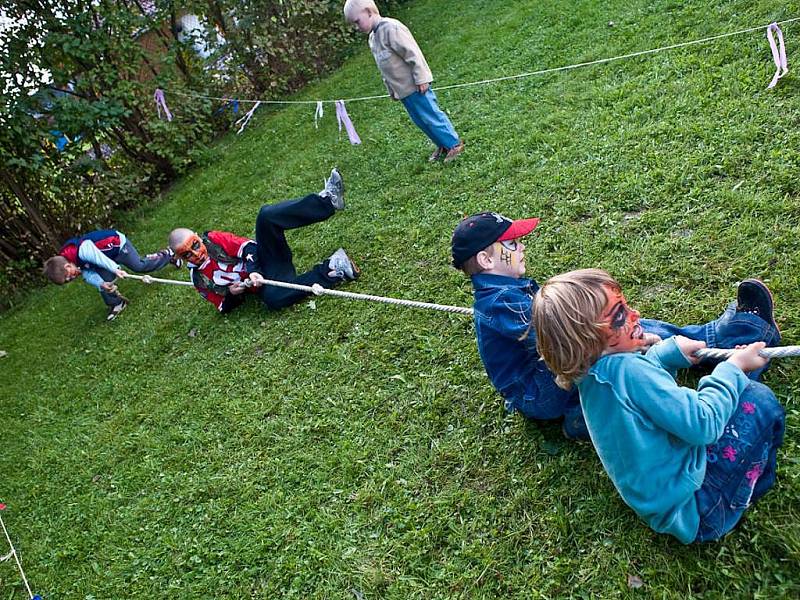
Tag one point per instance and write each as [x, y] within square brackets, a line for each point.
[688, 462]
[224, 267]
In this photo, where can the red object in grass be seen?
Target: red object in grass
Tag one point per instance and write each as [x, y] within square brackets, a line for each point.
[2, 506]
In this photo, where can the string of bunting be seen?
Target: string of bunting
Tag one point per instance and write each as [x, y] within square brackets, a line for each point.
[13, 554]
[772, 30]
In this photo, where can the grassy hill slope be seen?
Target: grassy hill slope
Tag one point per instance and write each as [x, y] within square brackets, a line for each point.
[341, 449]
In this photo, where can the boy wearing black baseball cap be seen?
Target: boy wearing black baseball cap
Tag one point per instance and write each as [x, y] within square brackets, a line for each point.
[488, 247]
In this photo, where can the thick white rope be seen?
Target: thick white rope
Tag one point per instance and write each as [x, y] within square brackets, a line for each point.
[775, 352]
[318, 290]
[599, 61]
[16, 558]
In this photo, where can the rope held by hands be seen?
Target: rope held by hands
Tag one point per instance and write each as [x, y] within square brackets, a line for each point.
[775, 352]
[318, 290]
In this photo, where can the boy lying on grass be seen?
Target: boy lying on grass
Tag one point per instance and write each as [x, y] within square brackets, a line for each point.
[688, 462]
[95, 256]
[225, 266]
[488, 248]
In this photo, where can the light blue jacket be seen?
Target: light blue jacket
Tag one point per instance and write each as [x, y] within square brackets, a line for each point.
[89, 253]
[651, 434]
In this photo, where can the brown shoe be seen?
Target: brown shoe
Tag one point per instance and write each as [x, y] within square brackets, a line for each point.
[454, 151]
[437, 154]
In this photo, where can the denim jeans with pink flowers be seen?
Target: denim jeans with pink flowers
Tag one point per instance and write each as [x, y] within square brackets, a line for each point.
[740, 466]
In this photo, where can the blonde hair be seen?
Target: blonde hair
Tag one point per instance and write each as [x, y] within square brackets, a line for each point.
[567, 315]
[351, 7]
[54, 269]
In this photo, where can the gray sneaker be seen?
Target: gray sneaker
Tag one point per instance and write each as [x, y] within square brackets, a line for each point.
[113, 311]
[334, 189]
[342, 267]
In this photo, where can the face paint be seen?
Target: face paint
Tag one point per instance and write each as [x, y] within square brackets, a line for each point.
[509, 245]
[71, 271]
[622, 328]
[193, 249]
[509, 258]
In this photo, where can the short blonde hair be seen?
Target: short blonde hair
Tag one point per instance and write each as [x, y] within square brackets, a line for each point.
[351, 7]
[567, 318]
[54, 269]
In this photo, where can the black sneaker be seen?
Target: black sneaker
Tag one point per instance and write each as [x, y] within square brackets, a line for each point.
[113, 311]
[754, 297]
[334, 189]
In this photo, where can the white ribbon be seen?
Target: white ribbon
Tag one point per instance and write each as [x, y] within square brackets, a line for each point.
[246, 119]
[778, 53]
[317, 114]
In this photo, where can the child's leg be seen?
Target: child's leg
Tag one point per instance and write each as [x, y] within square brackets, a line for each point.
[129, 256]
[274, 254]
[274, 219]
[741, 464]
[425, 112]
[732, 328]
[110, 299]
[544, 400]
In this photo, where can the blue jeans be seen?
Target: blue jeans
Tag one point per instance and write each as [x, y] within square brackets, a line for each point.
[548, 401]
[740, 466]
[425, 112]
[129, 257]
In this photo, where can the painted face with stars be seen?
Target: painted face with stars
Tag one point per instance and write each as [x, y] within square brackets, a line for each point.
[193, 250]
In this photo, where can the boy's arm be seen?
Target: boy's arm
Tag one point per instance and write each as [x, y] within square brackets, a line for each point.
[92, 278]
[88, 252]
[697, 417]
[224, 303]
[511, 316]
[404, 45]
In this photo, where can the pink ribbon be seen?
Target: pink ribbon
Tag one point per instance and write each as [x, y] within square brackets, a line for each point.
[778, 53]
[161, 103]
[343, 117]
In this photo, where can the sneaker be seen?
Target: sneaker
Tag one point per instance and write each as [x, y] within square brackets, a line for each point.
[754, 297]
[454, 151]
[174, 260]
[437, 154]
[342, 267]
[334, 189]
[113, 311]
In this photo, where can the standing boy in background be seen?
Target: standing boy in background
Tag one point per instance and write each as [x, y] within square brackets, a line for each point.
[406, 75]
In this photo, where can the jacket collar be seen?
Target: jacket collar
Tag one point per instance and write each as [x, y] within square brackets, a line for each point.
[484, 281]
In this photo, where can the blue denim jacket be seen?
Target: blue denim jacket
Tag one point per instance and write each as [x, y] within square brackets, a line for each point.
[502, 316]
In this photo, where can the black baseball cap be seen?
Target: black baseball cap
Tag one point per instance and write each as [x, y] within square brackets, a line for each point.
[479, 231]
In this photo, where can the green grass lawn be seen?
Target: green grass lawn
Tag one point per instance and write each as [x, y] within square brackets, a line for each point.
[342, 449]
